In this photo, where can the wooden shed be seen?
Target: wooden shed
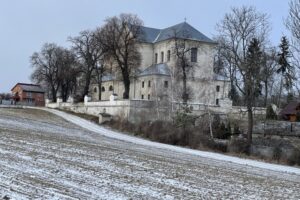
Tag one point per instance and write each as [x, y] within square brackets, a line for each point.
[291, 111]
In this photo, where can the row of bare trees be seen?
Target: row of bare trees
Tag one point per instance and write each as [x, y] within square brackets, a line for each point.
[70, 72]
[259, 73]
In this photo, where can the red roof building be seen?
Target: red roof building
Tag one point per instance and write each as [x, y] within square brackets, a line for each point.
[28, 94]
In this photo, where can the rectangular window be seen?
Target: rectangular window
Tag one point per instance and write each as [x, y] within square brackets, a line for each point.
[162, 57]
[217, 102]
[155, 58]
[148, 96]
[142, 96]
[29, 94]
[166, 84]
[143, 84]
[149, 83]
[194, 52]
[218, 88]
[169, 55]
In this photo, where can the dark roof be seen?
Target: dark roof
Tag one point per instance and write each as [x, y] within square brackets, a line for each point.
[156, 69]
[148, 34]
[182, 30]
[30, 87]
[291, 109]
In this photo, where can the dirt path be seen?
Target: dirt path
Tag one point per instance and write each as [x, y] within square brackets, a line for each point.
[45, 157]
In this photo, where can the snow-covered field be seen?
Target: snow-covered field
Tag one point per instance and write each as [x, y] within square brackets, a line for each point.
[43, 156]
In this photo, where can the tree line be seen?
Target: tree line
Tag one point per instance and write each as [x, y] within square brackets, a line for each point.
[70, 72]
[259, 72]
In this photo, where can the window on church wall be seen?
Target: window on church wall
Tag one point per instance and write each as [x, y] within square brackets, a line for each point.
[149, 83]
[142, 96]
[143, 84]
[169, 55]
[162, 57]
[95, 90]
[103, 89]
[148, 96]
[194, 52]
[166, 84]
[218, 88]
[156, 58]
[217, 102]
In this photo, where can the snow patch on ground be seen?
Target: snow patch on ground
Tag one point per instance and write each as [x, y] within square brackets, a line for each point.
[117, 135]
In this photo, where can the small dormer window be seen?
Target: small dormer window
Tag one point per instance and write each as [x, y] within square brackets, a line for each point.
[156, 58]
[194, 52]
[162, 57]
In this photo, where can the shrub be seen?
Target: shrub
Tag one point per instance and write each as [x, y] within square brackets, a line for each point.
[270, 114]
[238, 145]
[294, 159]
[277, 153]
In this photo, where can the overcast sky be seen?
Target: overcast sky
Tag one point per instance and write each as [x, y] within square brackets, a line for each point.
[25, 25]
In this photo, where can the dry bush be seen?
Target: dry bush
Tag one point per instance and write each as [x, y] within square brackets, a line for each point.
[238, 145]
[294, 159]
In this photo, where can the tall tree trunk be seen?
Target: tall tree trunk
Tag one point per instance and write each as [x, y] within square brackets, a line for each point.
[250, 125]
[266, 93]
[126, 82]
[280, 92]
[87, 84]
[184, 93]
[54, 97]
[99, 80]
[100, 90]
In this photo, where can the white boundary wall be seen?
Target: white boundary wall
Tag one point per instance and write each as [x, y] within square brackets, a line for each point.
[145, 110]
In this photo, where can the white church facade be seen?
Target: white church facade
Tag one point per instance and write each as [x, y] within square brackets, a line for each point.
[155, 78]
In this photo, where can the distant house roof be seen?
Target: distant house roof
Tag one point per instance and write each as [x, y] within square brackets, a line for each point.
[108, 77]
[156, 69]
[182, 30]
[291, 109]
[29, 87]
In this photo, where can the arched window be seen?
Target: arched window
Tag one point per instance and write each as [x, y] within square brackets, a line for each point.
[95, 89]
[103, 89]
[111, 88]
[169, 55]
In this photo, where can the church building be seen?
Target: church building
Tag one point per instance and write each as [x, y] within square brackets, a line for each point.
[157, 80]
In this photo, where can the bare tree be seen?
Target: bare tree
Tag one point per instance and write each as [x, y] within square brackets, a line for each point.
[119, 39]
[68, 73]
[293, 25]
[89, 54]
[269, 65]
[46, 67]
[251, 72]
[235, 32]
